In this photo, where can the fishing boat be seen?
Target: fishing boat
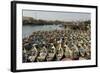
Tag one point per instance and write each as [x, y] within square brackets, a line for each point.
[66, 51]
[82, 51]
[33, 52]
[51, 52]
[42, 54]
[59, 52]
[25, 55]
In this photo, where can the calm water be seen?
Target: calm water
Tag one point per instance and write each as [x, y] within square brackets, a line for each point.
[28, 29]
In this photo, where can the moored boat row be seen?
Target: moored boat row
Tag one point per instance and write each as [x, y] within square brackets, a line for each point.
[53, 53]
[57, 45]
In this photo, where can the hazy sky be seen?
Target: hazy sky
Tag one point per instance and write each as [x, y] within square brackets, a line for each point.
[63, 16]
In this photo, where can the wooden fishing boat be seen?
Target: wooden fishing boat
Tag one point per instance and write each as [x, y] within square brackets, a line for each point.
[59, 52]
[82, 51]
[25, 55]
[66, 51]
[42, 54]
[51, 52]
[33, 52]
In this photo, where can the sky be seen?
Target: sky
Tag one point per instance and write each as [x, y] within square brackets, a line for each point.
[53, 15]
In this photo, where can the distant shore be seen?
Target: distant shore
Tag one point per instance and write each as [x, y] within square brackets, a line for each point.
[33, 21]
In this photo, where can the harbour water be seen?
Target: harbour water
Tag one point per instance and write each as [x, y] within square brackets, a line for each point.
[28, 29]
